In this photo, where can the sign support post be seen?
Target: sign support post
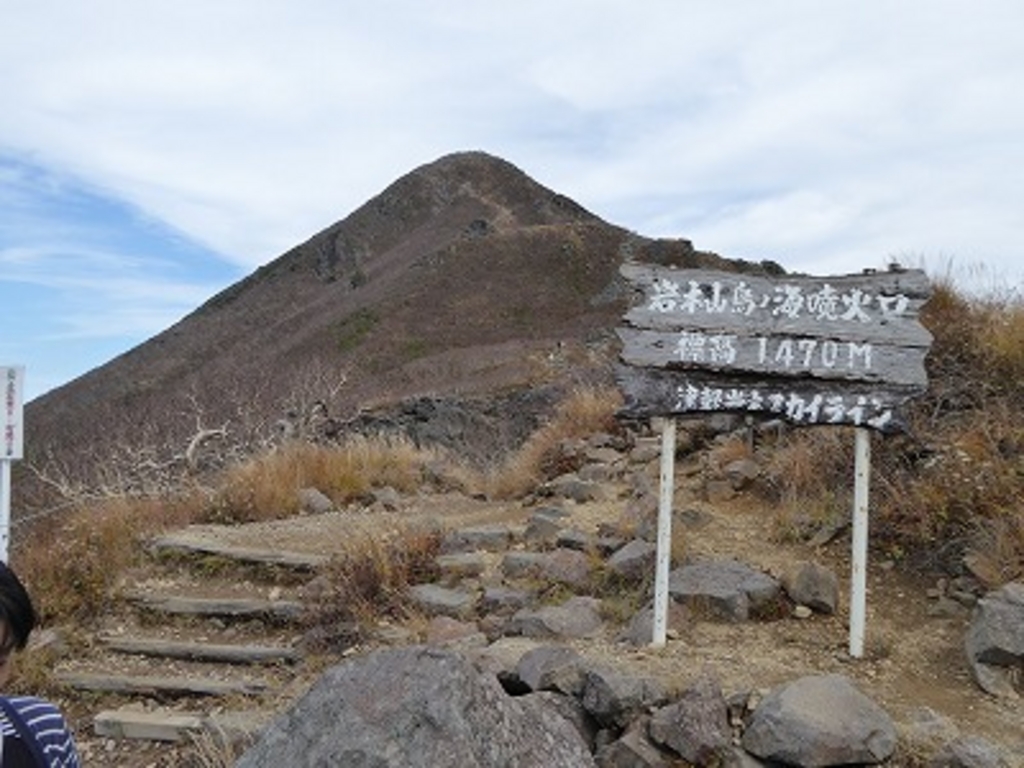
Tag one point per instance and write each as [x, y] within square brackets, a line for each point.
[805, 350]
[5, 508]
[666, 493]
[859, 575]
[11, 442]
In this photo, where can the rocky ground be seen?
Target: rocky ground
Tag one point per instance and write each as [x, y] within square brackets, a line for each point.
[914, 665]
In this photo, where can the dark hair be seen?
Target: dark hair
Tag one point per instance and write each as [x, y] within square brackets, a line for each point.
[16, 609]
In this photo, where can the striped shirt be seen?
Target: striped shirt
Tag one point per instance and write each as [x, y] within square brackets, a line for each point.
[45, 721]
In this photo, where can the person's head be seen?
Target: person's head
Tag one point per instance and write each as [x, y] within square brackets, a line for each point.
[17, 618]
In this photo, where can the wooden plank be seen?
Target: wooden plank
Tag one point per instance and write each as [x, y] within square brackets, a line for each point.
[282, 610]
[148, 726]
[226, 653]
[176, 726]
[148, 685]
[187, 542]
[651, 392]
[883, 305]
[784, 356]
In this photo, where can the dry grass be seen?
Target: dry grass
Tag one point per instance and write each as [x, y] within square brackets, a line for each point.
[950, 492]
[584, 412]
[85, 551]
[369, 580]
[266, 487]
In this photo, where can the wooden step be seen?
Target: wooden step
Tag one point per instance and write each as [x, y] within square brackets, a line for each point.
[225, 653]
[183, 541]
[175, 726]
[152, 685]
[278, 610]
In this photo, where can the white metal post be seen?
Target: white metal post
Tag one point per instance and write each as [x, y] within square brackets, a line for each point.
[5, 508]
[859, 576]
[664, 545]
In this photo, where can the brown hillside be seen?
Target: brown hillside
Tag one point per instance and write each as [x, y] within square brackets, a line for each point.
[463, 277]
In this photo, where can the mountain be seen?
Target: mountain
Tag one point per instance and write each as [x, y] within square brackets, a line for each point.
[465, 278]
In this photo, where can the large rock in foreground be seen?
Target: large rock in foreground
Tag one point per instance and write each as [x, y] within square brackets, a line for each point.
[820, 721]
[412, 707]
[995, 640]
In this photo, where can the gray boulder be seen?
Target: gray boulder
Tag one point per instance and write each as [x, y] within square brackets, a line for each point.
[556, 668]
[812, 585]
[415, 707]
[970, 752]
[633, 749]
[576, 617]
[820, 721]
[614, 699]
[697, 725]
[724, 589]
[634, 561]
[995, 640]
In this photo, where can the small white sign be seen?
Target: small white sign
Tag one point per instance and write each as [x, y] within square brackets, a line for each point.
[12, 383]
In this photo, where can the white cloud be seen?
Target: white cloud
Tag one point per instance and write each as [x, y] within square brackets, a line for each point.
[832, 133]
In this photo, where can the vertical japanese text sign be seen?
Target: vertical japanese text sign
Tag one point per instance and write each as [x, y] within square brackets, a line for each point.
[807, 350]
[12, 380]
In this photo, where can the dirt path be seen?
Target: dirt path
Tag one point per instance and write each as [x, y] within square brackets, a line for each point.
[913, 661]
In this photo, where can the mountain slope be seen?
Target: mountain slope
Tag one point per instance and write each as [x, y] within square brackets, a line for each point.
[463, 277]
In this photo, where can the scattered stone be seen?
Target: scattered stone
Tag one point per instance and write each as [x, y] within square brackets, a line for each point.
[802, 612]
[575, 539]
[741, 473]
[577, 617]
[387, 497]
[452, 633]
[461, 565]
[415, 707]
[724, 589]
[523, 565]
[543, 527]
[718, 491]
[813, 585]
[970, 752]
[557, 668]
[437, 600]
[820, 721]
[572, 710]
[646, 450]
[503, 600]
[566, 566]
[490, 538]
[946, 608]
[696, 726]
[570, 486]
[634, 561]
[615, 699]
[640, 630]
[314, 502]
[633, 749]
[995, 640]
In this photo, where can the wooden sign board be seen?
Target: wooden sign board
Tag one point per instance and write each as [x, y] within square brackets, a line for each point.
[808, 350]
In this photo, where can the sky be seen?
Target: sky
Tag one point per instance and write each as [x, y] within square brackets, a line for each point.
[153, 153]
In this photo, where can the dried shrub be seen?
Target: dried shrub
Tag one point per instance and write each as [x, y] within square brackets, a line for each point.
[584, 412]
[952, 486]
[72, 576]
[266, 487]
[369, 579]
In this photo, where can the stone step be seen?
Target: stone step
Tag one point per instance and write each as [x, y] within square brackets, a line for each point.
[189, 543]
[176, 726]
[238, 608]
[216, 652]
[152, 685]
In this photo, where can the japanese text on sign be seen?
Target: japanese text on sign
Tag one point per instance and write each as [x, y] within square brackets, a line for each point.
[11, 380]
